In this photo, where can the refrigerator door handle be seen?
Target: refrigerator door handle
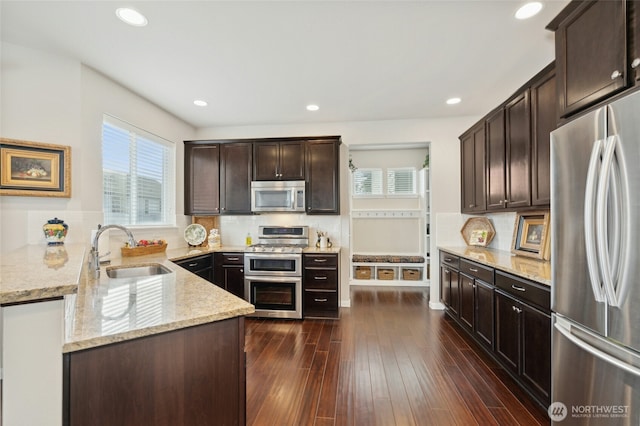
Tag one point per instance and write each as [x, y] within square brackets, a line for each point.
[590, 221]
[610, 216]
[596, 352]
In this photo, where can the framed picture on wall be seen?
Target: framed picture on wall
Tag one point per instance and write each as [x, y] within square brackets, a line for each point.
[34, 169]
[531, 235]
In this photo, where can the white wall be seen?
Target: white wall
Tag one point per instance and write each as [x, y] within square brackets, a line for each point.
[51, 99]
[445, 166]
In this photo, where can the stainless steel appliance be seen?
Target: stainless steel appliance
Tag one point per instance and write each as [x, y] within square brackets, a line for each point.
[595, 263]
[278, 196]
[273, 271]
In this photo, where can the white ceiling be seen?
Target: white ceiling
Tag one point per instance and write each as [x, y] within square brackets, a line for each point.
[262, 62]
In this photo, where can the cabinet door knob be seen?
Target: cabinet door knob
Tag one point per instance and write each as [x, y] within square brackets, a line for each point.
[635, 63]
[470, 206]
[616, 74]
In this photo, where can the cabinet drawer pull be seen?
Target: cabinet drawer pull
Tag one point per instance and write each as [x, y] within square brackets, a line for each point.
[320, 300]
[448, 259]
[193, 264]
[319, 278]
[517, 287]
[473, 269]
[233, 258]
[320, 260]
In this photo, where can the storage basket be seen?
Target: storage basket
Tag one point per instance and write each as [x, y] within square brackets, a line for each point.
[142, 250]
[385, 274]
[363, 272]
[411, 274]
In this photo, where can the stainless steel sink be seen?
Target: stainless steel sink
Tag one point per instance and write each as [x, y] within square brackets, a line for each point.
[137, 271]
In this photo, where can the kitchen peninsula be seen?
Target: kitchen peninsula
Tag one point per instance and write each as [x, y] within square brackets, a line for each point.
[161, 349]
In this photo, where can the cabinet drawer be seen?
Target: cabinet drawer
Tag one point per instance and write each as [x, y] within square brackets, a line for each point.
[524, 290]
[476, 270]
[449, 259]
[320, 301]
[321, 260]
[232, 258]
[196, 263]
[326, 279]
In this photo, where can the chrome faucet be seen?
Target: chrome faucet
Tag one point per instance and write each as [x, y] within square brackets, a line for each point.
[94, 259]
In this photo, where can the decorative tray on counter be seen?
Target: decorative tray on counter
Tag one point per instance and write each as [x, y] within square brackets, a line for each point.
[141, 250]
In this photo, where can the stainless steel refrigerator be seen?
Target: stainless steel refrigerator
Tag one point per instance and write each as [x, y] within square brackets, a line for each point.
[595, 263]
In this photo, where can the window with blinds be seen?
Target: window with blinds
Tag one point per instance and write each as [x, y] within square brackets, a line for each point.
[138, 176]
[401, 181]
[367, 182]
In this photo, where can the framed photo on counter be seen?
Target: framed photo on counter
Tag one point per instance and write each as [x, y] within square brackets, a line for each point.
[531, 235]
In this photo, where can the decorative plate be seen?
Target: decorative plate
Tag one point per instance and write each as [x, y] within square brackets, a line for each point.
[195, 234]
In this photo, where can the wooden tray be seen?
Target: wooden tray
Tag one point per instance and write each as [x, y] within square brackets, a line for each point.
[475, 226]
[142, 250]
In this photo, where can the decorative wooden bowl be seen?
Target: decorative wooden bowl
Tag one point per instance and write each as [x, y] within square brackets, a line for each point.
[478, 231]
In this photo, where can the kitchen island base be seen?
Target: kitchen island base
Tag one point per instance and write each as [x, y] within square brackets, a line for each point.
[192, 376]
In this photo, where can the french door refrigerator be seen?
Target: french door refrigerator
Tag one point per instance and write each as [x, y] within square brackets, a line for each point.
[595, 264]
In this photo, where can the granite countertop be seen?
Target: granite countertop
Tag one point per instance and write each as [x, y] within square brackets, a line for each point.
[532, 269]
[40, 272]
[107, 310]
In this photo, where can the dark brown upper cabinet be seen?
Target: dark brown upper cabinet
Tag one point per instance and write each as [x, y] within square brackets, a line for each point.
[505, 157]
[201, 176]
[218, 173]
[544, 119]
[518, 151]
[591, 53]
[472, 146]
[278, 160]
[496, 155]
[235, 177]
[323, 176]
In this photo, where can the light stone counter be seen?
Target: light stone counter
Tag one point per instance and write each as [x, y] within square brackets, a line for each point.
[107, 310]
[40, 272]
[315, 250]
[532, 269]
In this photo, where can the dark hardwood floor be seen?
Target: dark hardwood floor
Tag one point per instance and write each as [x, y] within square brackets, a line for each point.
[389, 360]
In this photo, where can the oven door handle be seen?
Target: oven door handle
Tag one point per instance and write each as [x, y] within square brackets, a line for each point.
[271, 279]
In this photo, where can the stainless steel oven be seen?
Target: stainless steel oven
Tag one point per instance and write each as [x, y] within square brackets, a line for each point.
[273, 272]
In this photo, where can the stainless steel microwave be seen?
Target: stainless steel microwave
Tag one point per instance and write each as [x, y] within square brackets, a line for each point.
[278, 196]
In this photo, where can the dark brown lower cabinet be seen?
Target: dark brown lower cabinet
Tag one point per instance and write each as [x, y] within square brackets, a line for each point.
[467, 301]
[507, 315]
[484, 313]
[228, 272]
[193, 376]
[523, 343]
[450, 289]
[320, 286]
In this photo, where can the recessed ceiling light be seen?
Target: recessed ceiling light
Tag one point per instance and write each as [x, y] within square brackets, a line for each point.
[453, 101]
[131, 17]
[200, 102]
[528, 10]
[312, 107]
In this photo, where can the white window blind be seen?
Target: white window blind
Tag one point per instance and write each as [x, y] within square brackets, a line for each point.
[138, 175]
[367, 182]
[401, 181]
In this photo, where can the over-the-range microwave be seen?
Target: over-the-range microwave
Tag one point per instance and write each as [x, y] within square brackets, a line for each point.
[278, 196]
